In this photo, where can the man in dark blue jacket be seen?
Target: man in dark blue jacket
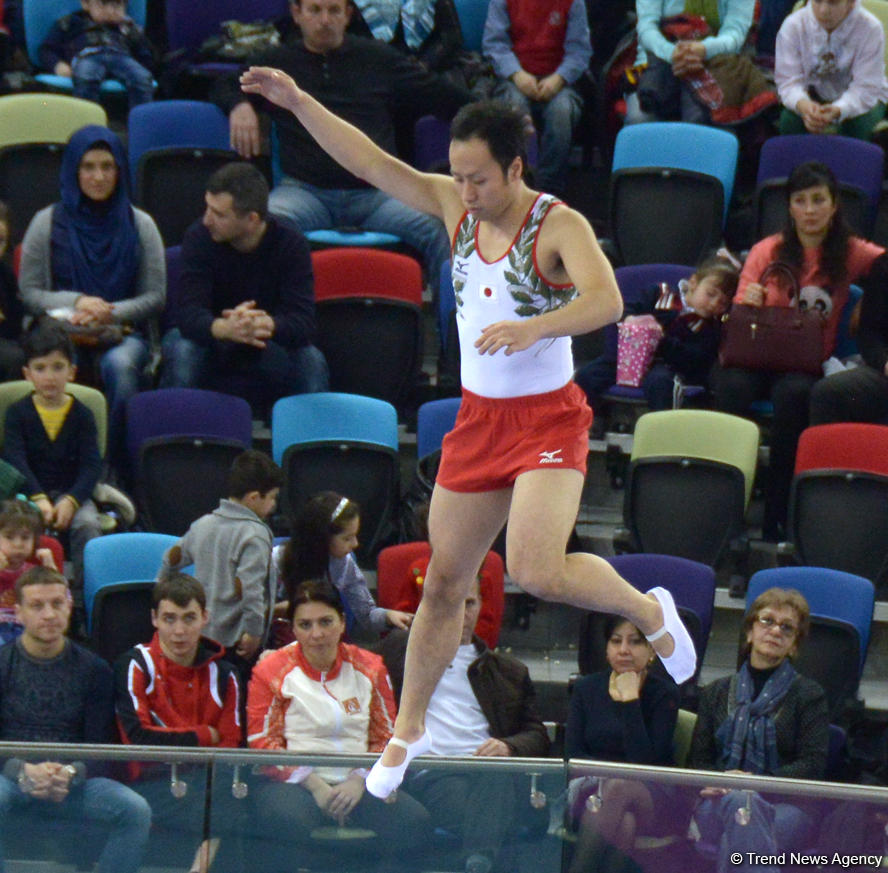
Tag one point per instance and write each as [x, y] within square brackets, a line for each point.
[245, 316]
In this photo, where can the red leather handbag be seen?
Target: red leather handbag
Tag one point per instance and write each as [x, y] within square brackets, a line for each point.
[781, 339]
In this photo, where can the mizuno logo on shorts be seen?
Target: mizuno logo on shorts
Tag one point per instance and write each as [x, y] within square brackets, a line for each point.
[549, 457]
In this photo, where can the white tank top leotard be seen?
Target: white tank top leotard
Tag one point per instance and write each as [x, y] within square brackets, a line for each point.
[504, 290]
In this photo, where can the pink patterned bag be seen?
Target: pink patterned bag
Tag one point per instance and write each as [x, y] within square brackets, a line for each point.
[637, 341]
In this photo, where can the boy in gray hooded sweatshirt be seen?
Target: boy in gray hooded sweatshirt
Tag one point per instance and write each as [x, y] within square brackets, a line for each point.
[231, 552]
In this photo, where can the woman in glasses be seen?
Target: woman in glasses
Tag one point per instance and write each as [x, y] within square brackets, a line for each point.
[765, 720]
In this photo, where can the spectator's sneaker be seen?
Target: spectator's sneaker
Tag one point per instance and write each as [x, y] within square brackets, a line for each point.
[114, 497]
[107, 522]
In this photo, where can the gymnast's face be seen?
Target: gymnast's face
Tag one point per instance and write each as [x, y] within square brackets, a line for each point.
[485, 190]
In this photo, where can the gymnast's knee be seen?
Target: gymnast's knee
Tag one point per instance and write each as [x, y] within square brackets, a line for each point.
[445, 588]
[543, 579]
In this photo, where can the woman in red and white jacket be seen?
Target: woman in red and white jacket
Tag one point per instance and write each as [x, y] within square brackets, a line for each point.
[320, 695]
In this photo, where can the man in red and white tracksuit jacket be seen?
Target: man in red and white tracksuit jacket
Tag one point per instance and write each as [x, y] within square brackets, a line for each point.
[178, 691]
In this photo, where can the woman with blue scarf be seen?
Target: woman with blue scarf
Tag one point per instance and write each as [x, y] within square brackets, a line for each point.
[767, 720]
[98, 260]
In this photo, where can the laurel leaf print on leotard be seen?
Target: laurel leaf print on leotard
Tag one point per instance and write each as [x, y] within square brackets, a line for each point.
[531, 294]
[526, 287]
[463, 246]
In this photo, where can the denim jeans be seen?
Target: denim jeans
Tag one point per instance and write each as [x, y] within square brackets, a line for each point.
[772, 828]
[312, 208]
[90, 69]
[127, 815]
[272, 372]
[123, 375]
[556, 121]
[84, 527]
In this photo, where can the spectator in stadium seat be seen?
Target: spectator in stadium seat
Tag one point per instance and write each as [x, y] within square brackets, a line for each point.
[364, 81]
[245, 319]
[96, 261]
[177, 690]
[54, 691]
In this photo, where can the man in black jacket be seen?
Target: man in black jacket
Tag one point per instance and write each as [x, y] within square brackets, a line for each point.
[485, 706]
[364, 81]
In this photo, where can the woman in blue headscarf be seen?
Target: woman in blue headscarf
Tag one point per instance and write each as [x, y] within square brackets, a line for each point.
[99, 260]
[767, 720]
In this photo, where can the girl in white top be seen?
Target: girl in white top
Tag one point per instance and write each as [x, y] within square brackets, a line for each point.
[830, 69]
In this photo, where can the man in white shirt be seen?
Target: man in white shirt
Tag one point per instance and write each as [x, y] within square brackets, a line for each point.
[484, 705]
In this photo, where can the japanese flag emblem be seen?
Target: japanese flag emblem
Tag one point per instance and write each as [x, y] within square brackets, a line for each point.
[487, 293]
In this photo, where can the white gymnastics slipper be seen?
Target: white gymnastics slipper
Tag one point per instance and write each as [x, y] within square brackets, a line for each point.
[381, 780]
[682, 663]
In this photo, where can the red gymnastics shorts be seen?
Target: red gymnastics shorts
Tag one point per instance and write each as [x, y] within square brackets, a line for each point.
[495, 440]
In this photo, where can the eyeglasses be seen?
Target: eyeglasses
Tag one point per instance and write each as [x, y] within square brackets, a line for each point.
[788, 629]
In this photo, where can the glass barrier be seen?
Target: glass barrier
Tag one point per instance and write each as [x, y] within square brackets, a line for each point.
[629, 818]
[112, 808]
[448, 811]
[124, 809]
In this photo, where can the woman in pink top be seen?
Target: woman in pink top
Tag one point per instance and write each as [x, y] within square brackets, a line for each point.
[817, 244]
